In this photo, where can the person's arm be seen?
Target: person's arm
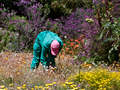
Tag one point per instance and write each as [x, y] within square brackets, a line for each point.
[43, 56]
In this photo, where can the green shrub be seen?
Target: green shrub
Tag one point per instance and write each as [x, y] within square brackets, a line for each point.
[111, 36]
[22, 39]
[4, 39]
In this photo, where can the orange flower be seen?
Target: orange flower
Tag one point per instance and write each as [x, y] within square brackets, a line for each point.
[63, 53]
[71, 44]
[64, 44]
[70, 51]
[62, 49]
[67, 48]
[68, 42]
[76, 40]
[82, 40]
[81, 35]
[76, 45]
[71, 39]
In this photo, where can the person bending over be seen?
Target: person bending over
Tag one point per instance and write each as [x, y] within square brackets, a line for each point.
[45, 49]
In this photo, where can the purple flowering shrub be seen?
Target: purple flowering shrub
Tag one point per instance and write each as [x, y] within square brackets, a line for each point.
[116, 8]
[71, 26]
[20, 32]
[24, 30]
[5, 15]
[18, 29]
[36, 14]
[76, 25]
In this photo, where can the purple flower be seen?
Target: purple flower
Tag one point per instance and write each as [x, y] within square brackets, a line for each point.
[3, 33]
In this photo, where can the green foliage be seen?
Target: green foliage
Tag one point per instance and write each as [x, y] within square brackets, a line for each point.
[111, 38]
[73, 4]
[60, 8]
[88, 3]
[20, 33]
[9, 4]
[11, 24]
[4, 39]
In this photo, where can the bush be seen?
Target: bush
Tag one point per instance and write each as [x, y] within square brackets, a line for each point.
[88, 3]
[97, 79]
[4, 39]
[24, 40]
[108, 48]
[116, 6]
[110, 37]
[82, 24]
[5, 15]
[36, 14]
[71, 26]
[9, 4]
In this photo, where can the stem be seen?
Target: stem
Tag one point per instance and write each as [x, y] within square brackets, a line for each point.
[79, 73]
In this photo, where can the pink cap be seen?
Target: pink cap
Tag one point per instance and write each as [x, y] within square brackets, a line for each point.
[55, 47]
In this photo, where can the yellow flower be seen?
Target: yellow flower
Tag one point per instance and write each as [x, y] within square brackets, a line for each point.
[54, 82]
[2, 87]
[72, 86]
[32, 88]
[70, 83]
[40, 87]
[50, 84]
[18, 88]
[10, 85]
[109, 8]
[46, 85]
[66, 82]
[24, 85]
[36, 87]
[63, 85]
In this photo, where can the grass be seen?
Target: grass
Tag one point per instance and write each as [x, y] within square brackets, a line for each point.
[15, 74]
[15, 70]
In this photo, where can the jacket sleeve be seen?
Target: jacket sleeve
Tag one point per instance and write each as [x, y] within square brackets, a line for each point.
[43, 56]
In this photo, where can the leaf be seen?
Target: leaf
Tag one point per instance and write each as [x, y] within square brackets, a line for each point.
[110, 53]
[101, 35]
[109, 39]
[107, 25]
[113, 48]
